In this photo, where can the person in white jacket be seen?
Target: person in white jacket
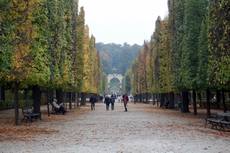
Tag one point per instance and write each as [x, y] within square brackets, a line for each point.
[57, 106]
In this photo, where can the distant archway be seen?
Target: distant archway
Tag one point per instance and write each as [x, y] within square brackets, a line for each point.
[114, 83]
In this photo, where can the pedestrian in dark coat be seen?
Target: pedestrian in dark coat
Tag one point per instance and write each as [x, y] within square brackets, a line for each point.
[112, 101]
[107, 102]
[93, 100]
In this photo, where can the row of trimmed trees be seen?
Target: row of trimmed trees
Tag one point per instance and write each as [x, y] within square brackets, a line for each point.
[188, 52]
[45, 44]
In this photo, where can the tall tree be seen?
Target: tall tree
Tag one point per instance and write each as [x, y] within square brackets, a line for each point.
[193, 16]
[219, 43]
[87, 62]
[6, 39]
[79, 61]
[155, 56]
[178, 20]
[218, 46]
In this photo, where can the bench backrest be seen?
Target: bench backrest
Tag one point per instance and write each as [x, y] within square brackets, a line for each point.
[27, 110]
[223, 114]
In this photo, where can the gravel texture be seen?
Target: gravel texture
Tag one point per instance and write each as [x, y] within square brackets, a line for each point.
[145, 128]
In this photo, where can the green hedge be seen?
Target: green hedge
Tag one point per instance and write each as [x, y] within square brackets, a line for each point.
[213, 104]
[9, 104]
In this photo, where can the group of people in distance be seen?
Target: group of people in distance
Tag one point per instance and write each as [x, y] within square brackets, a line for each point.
[108, 100]
[93, 99]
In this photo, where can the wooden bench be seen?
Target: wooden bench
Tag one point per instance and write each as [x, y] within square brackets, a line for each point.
[221, 120]
[29, 114]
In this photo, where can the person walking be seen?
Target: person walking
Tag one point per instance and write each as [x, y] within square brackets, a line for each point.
[93, 100]
[125, 100]
[112, 101]
[107, 102]
[135, 98]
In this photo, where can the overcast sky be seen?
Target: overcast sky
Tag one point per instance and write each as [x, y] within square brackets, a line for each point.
[120, 21]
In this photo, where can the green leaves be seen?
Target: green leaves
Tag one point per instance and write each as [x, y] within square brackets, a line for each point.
[42, 42]
[218, 43]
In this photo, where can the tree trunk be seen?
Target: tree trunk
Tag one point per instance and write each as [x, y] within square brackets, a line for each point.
[194, 102]
[199, 97]
[178, 98]
[77, 99]
[154, 97]
[208, 103]
[83, 98]
[162, 100]
[60, 95]
[26, 94]
[65, 99]
[16, 104]
[217, 99]
[223, 98]
[2, 93]
[147, 98]
[185, 102]
[140, 97]
[157, 96]
[171, 100]
[36, 98]
[48, 101]
[70, 100]
[51, 95]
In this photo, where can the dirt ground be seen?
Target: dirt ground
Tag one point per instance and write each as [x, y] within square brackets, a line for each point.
[145, 128]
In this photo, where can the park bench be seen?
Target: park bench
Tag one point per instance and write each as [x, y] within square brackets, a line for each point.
[29, 114]
[221, 120]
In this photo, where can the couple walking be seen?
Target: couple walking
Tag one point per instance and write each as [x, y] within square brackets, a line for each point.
[109, 100]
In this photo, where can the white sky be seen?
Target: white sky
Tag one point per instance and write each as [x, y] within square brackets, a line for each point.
[120, 21]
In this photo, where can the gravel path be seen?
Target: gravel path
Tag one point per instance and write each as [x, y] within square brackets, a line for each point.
[143, 129]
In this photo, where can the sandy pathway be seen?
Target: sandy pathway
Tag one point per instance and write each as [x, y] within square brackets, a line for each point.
[143, 129]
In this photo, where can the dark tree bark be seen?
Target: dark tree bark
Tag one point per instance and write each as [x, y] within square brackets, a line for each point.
[48, 101]
[60, 95]
[2, 93]
[208, 103]
[185, 102]
[51, 95]
[178, 98]
[154, 97]
[140, 97]
[162, 100]
[146, 98]
[26, 94]
[217, 99]
[16, 104]
[223, 98]
[199, 97]
[83, 98]
[194, 101]
[77, 99]
[171, 100]
[157, 97]
[70, 100]
[36, 98]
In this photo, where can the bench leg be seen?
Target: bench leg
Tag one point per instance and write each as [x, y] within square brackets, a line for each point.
[23, 119]
[206, 122]
[214, 125]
